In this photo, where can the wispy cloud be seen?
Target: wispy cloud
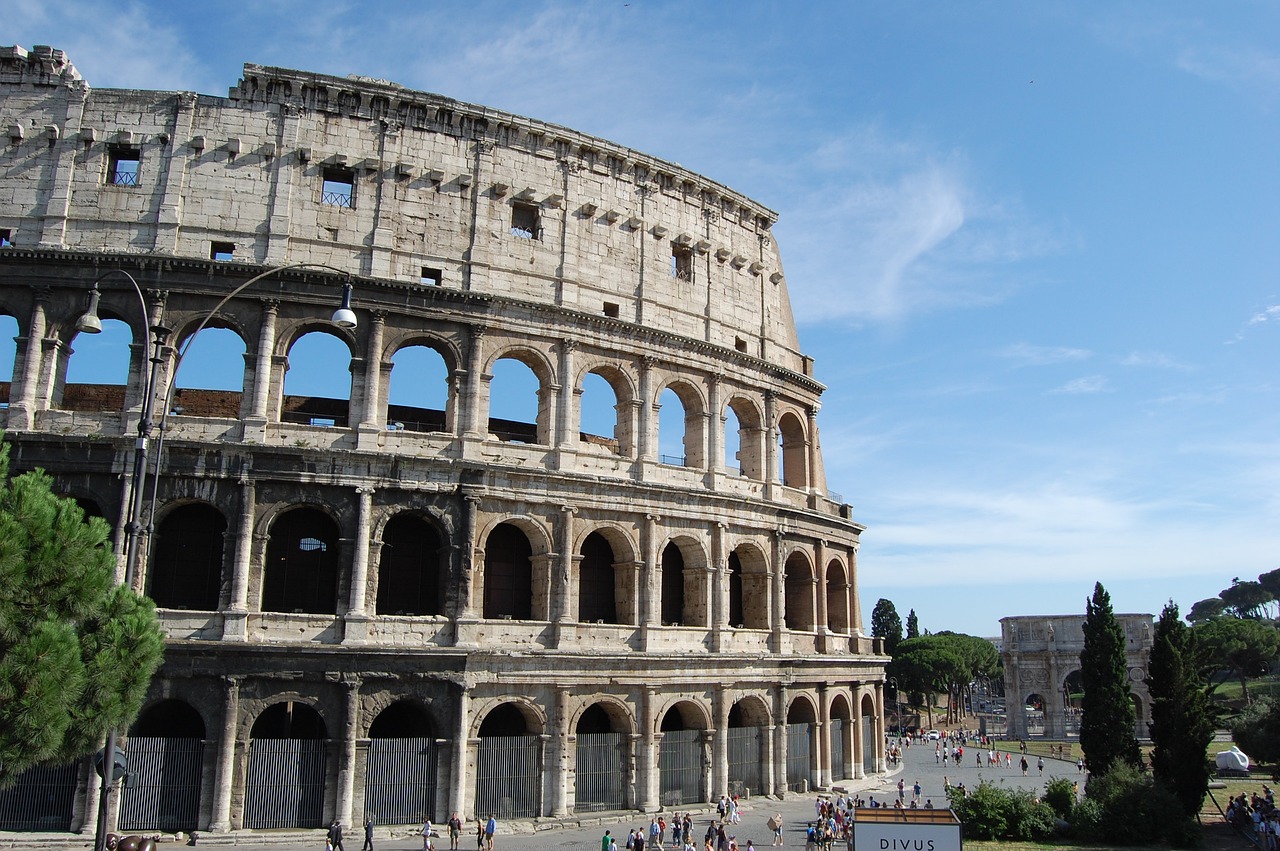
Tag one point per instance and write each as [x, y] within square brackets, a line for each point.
[1083, 386]
[1151, 359]
[1026, 354]
[1269, 314]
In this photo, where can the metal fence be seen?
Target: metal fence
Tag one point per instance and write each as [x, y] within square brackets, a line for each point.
[680, 768]
[162, 791]
[744, 760]
[839, 767]
[508, 776]
[285, 783]
[41, 800]
[799, 737]
[598, 772]
[870, 745]
[400, 780]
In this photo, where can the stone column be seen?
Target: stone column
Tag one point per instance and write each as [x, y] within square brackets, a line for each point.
[371, 414]
[648, 753]
[777, 592]
[235, 626]
[566, 399]
[559, 773]
[648, 585]
[767, 775]
[470, 390]
[347, 769]
[465, 603]
[22, 405]
[645, 418]
[820, 572]
[224, 773]
[562, 587]
[461, 740]
[780, 741]
[720, 743]
[255, 425]
[817, 477]
[823, 767]
[357, 617]
[715, 436]
[770, 473]
[718, 586]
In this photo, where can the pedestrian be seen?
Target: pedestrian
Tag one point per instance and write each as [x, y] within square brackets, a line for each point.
[638, 842]
[605, 841]
[1040, 764]
[335, 836]
[455, 831]
[368, 834]
[1023, 763]
[426, 835]
[479, 834]
[1080, 764]
[490, 828]
[775, 824]
[915, 790]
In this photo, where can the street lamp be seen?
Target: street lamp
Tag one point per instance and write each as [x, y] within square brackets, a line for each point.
[897, 703]
[91, 323]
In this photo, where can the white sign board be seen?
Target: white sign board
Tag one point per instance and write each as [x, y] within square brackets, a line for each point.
[890, 836]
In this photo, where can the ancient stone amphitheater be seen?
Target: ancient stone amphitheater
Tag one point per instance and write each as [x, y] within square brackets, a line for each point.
[396, 598]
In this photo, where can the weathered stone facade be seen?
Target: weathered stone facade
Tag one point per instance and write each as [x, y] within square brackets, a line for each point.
[1040, 653]
[555, 622]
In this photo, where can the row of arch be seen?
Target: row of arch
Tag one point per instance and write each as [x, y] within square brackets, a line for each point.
[415, 566]
[517, 397]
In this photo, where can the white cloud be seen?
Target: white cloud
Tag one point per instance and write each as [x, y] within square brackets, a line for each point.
[1083, 386]
[1268, 314]
[1151, 359]
[1030, 355]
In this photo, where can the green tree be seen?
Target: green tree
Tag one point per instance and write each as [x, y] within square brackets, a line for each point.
[913, 625]
[1243, 648]
[1107, 718]
[1246, 599]
[76, 651]
[1182, 718]
[1206, 610]
[926, 665]
[886, 624]
[1257, 730]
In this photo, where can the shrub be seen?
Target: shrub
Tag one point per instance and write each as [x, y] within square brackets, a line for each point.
[1060, 795]
[990, 812]
[1126, 807]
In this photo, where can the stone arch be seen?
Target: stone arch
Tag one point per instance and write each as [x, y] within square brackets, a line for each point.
[213, 376]
[402, 718]
[10, 331]
[289, 718]
[684, 752]
[413, 566]
[98, 372]
[300, 573]
[694, 438]
[509, 757]
[840, 735]
[793, 455]
[539, 431]
[620, 717]
[751, 435]
[515, 579]
[309, 400]
[684, 587]
[407, 407]
[838, 590]
[622, 440]
[748, 743]
[170, 718]
[187, 557]
[799, 584]
[598, 586]
[502, 715]
[748, 587]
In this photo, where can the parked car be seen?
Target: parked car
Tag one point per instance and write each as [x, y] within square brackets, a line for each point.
[934, 735]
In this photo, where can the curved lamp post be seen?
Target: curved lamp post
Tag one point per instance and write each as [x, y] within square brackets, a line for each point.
[90, 323]
[897, 704]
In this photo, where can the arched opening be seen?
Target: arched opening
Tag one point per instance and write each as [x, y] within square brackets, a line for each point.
[1072, 701]
[748, 744]
[519, 407]
[400, 774]
[748, 565]
[9, 332]
[841, 738]
[801, 744]
[793, 454]
[747, 440]
[411, 568]
[508, 765]
[597, 602]
[673, 611]
[284, 784]
[418, 397]
[732, 443]
[681, 756]
[682, 432]
[1033, 713]
[301, 571]
[598, 413]
[97, 369]
[165, 752]
[508, 574]
[600, 779]
[737, 608]
[868, 740]
[837, 598]
[798, 591]
[317, 383]
[210, 381]
[186, 568]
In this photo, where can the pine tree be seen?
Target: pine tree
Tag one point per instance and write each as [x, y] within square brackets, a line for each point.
[913, 625]
[76, 651]
[1182, 719]
[1107, 722]
[886, 624]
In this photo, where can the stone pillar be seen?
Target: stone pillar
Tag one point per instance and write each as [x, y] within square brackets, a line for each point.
[770, 473]
[780, 741]
[371, 413]
[357, 617]
[255, 426]
[172, 182]
[22, 405]
[817, 477]
[470, 392]
[347, 768]
[562, 586]
[648, 753]
[465, 603]
[720, 743]
[715, 435]
[224, 772]
[649, 577]
[461, 740]
[767, 775]
[235, 626]
[855, 605]
[566, 399]
[823, 768]
[858, 743]
[777, 592]
[820, 572]
[559, 763]
[882, 764]
[646, 417]
[718, 591]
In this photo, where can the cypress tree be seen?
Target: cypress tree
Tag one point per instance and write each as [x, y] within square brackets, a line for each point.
[76, 650]
[1182, 719]
[1107, 722]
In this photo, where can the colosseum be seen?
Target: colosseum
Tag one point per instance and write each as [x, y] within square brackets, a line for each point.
[556, 539]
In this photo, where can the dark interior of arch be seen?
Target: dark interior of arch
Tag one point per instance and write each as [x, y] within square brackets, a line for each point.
[736, 606]
[595, 581]
[674, 720]
[672, 586]
[410, 572]
[508, 574]
[402, 720]
[172, 719]
[504, 720]
[186, 568]
[800, 713]
[289, 720]
[595, 720]
[301, 573]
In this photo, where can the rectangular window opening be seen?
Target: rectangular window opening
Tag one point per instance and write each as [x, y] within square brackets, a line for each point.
[431, 277]
[681, 263]
[611, 310]
[740, 344]
[222, 250]
[524, 221]
[122, 165]
[339, 188]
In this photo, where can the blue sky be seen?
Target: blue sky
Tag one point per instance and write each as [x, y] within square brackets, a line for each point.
[1033, 246]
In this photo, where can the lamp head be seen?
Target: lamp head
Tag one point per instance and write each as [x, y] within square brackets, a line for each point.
[344, 316]
[89, 323]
